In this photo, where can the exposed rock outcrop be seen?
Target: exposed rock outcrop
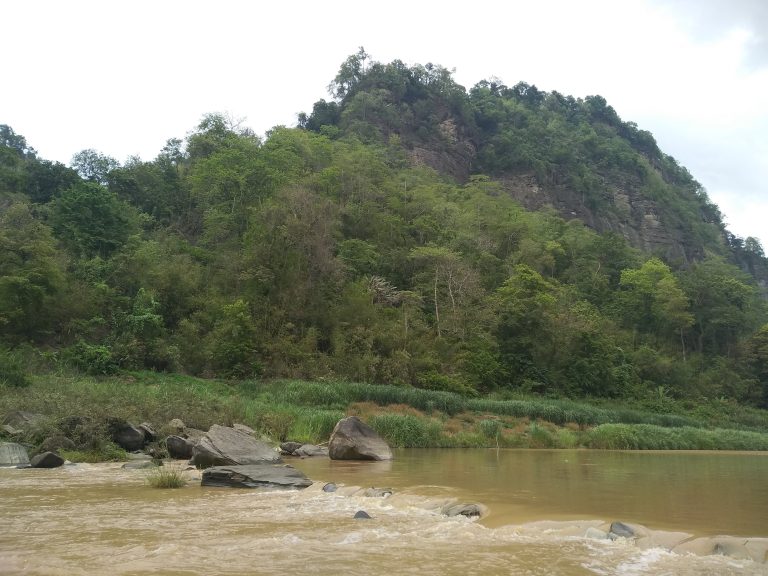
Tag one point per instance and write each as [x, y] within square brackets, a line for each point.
[223, 446]
[264, 475]
[354, 440]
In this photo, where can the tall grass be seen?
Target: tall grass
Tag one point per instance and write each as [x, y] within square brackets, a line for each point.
[407, 430]
[649, 437]
[166, 477]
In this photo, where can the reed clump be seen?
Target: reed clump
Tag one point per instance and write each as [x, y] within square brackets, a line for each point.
[166, 477]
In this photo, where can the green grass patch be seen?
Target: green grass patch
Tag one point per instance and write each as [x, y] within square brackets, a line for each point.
[108, 452]
[166, 477]
[407, 430]
[649, 437]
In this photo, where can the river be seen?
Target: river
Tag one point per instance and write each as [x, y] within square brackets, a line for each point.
[101, 519]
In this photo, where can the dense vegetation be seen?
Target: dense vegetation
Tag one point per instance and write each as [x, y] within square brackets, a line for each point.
[333, 250]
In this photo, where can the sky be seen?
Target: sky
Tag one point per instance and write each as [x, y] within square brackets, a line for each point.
[122, 77]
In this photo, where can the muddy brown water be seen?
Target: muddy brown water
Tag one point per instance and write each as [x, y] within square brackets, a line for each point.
[100, 519]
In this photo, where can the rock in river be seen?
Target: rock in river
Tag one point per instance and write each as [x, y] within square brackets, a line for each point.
[47, 460]
[354, 440]
[12, 454]
[222, 446]
[265, 475]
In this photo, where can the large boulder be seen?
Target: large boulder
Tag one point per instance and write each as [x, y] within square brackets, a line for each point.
[12, 454]
[126, 435]
[179, 448]
[354, 440]
[47, 460]
[265, 475]
[222, 446]
[149, 432]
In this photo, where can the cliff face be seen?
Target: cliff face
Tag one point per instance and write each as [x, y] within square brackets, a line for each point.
[638, 219]
[574, 155]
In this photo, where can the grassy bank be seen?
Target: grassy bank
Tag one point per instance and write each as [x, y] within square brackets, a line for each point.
[406, 417]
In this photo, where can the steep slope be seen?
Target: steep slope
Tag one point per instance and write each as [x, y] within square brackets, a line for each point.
[574, 155]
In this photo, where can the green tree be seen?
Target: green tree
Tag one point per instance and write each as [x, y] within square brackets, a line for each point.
[91, 221]
[30, 274]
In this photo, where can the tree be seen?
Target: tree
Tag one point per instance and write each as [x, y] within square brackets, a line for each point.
[29, 273]
[93, 166]
[651, 301]
[91, 221]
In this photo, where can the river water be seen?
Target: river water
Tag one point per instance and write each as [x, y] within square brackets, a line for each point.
[101, 519]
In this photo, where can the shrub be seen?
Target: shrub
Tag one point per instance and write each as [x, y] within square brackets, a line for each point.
[91, 358]
[108, 452]
[12, 372]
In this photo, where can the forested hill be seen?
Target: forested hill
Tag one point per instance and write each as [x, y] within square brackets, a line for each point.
[408, 231]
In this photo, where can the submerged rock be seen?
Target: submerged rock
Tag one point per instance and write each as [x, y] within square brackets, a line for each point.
[12, 454]
[596, 534]
[362, 515]
[47, 460]
[330, 487]
[264, 475]
[621, 530]
[468, 510]
[140, 465]
[354, 440]
[377, 492]
[310, 451]
[222, 446]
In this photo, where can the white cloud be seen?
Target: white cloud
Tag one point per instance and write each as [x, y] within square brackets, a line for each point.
[123, 77]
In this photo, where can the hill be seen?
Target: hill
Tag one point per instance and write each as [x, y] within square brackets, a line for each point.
[497, 240]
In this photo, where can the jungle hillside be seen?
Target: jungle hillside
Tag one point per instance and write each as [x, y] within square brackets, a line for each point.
[496, 241]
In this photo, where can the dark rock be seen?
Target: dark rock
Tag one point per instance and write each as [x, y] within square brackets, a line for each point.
[310, 451]
[330, 487]
[56, 443]
[126, 435]
[47, 460]
[149, 433]
[12, 454]
[362, 515]
[244, 429]
[222, 446]
[620, 530]
[377, 492]
[179, 448]
[290, 447]
[264, 475]
[140, 465]
[354, 440]
[468, 510]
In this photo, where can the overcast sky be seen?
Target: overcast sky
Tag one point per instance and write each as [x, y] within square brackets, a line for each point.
[124, 76]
